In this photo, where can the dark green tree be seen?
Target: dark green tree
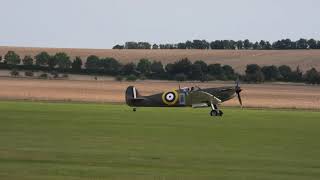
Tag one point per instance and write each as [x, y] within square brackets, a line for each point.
[188, 44]
[296, 76]
[157, 67]
[53, 61]
[144, 66]
[144, 45]
[180, 77]
[196, 72]
[271, 73]
[110, 66]
[215, 70]
[247, 44]
[203, 65]
[129, 69]
[312, 44]
[182, 46]
[92, 63]
[118, 47]
[155, 46]
[42, 59]
[254, 73]
[217, 44]
[182, 66]
[12, 58]
[312, 76]
[77, 64]
[131, 45]
[256, 45]
[229, 73]
[63, 60]
[27, 60]
[302, 44]
[285, 72]
[239, 44]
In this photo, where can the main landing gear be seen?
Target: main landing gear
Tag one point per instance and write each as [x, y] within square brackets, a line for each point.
[134, 109]
[215, 111]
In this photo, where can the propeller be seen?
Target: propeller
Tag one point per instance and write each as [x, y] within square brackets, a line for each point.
[238, 90]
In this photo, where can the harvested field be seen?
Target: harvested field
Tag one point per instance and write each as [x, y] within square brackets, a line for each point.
[238, 59]
[263, 95]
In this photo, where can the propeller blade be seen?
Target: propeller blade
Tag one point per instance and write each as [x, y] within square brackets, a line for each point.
[239, 98]
[238, 90]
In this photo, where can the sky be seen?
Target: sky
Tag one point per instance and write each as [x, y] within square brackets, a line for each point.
[104, 23]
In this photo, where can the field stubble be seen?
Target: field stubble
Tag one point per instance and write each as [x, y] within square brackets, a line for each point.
[107, 90]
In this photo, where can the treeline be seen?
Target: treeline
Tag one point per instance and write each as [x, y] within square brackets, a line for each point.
[227, 44]
[180, 70]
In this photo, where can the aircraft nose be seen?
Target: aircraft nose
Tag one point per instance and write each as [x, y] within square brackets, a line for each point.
[238, 89]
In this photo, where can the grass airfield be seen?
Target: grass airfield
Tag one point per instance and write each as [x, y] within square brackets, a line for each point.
[97, 141]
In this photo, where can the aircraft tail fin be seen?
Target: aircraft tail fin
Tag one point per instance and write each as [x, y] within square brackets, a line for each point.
[132, 94]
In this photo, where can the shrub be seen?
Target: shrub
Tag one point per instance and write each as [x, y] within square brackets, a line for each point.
[43, 76]
[54, 74]
[65, 75]
[14, 72]
[28, 73]
[132, 78]
[142, 77]
[119, 78]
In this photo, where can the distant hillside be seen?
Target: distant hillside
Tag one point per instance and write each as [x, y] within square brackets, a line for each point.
[238, 59]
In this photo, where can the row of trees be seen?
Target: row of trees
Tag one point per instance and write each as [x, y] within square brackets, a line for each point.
[60, 60]
[227, 44]
[180, 70]
[256, 74]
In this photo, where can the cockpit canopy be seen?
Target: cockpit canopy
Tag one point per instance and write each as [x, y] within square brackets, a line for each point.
[191, 89]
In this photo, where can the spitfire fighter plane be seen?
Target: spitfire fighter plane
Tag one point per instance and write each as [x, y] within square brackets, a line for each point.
[185, 97]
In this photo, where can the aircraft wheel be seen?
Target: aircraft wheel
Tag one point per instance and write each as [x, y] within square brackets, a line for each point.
[214, 113]
[134, 109]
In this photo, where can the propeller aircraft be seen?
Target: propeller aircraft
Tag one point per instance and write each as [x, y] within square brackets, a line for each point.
[185, 97]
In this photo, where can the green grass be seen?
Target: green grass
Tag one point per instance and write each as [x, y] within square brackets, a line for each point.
[89, 141]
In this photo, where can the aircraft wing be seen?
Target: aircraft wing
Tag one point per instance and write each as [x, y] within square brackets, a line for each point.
[201, 97]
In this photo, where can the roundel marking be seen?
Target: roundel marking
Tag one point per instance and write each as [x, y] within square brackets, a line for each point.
[170, 97]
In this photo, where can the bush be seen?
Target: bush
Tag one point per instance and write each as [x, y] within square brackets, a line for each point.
[65, 75]
[14, 72]
[44, 76]
[142, 77]
[29, 73]
[119, 78]
[54, 74]
[132, 78]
